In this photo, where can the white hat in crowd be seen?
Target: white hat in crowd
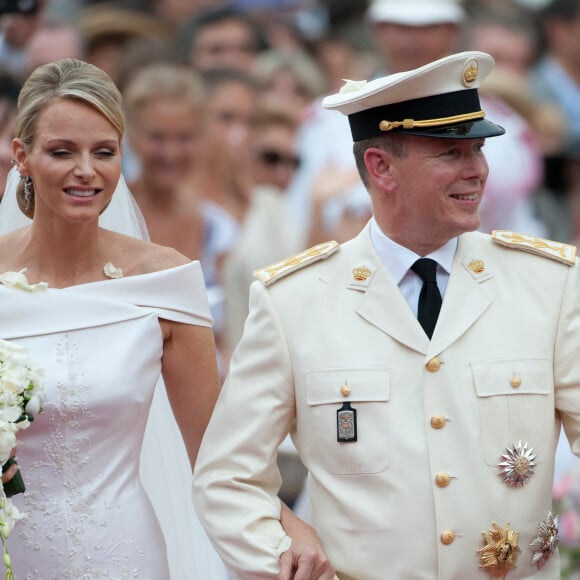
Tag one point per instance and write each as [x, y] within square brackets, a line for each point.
[416, 12]
[439, 99]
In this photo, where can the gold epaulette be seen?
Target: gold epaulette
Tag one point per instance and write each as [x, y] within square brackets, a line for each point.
[564, 253]
[270, 274]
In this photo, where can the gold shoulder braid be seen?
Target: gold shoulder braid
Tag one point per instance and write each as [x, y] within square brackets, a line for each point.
[564, 253]
[270, 274]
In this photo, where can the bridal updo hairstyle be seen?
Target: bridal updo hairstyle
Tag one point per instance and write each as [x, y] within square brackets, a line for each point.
[63, 79]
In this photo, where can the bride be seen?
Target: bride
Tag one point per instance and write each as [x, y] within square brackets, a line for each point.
[118, 311]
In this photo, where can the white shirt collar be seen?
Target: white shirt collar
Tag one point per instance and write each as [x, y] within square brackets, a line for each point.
[398, 259]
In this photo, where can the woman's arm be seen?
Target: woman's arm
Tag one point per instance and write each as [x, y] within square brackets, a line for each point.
[191, 379]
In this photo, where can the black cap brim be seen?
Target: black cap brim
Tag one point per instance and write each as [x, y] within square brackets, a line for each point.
[479, 129]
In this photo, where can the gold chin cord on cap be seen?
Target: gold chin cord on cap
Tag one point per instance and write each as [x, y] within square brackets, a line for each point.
[412, 124]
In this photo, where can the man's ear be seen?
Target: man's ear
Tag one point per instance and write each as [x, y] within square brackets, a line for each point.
[379, 168]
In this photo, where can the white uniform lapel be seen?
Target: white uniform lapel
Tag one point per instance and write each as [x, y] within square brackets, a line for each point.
[382, 303]
[465, 299]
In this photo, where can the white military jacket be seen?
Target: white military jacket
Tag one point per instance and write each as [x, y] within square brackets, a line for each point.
[450, 475]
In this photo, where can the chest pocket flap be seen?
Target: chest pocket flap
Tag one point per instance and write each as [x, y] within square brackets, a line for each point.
[513, 405]
[512, 377]
[354, 385]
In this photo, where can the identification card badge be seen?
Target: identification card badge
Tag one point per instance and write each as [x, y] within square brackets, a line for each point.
[346, 424]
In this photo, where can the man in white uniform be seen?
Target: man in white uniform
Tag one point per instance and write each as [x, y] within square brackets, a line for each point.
[429, 436]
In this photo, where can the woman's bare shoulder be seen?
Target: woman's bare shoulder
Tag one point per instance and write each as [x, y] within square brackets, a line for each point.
[10, 243]
[143, 257]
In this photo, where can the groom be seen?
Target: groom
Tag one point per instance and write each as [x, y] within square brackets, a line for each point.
[423, 369]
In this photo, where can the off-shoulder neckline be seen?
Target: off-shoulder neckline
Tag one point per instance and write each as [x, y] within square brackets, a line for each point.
[121, 279]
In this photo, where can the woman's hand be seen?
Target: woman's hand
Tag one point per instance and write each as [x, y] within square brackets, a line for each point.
[11, 471]
[305, 559]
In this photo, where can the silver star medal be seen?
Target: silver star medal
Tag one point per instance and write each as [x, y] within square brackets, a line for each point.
[518, 465]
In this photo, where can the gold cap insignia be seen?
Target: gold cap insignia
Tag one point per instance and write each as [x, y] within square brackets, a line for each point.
[501, 551]
[470, 72]
[476, 266]
[361, 274]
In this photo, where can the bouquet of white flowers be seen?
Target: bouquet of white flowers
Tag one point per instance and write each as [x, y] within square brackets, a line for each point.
[21, 399]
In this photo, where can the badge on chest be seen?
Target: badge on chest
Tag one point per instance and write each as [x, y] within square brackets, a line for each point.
[346, 424]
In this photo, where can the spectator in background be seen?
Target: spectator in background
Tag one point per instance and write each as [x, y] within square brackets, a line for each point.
[222, 177]
[144, 52]
[9, 89]
[50, 42]
[267, 231]
[555, 78]
[16, 29]
[164, 108]
[222, 37]
[339, 58]
[175, 12]
[289, 80]
[108, 31]
[409, 34]
[510, 36]
[571, 183]
[274, 158]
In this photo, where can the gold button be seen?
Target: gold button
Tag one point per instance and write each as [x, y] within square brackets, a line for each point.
[433, 365]
[516, 381]
[442, 479]
[345, 390]
[447, 537]
[438, 421]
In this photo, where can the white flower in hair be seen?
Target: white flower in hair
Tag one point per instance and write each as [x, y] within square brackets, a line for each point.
[352, 86]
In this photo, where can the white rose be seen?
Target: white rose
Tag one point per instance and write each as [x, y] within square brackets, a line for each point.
[7, 444]
[33, 406]
[9, 515]
[9, 414]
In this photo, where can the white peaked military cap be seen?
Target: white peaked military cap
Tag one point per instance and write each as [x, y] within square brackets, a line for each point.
[439, 99]
[416, 12]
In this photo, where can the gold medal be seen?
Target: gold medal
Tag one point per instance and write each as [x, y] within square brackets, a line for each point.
[501, 551]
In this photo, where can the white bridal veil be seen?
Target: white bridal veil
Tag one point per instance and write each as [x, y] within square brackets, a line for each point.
[165, 470]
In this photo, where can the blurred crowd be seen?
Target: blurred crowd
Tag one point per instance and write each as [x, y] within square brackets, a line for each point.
[229, 154]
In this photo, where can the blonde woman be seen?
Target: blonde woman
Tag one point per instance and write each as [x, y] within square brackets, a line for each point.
[117, 313]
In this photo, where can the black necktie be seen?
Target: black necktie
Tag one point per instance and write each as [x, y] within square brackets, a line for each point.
[430, 297]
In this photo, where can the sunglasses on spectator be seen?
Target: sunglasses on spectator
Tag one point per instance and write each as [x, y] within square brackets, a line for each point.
[275, 158]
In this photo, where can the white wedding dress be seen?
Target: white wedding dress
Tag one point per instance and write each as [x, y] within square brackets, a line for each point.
[101, 346]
